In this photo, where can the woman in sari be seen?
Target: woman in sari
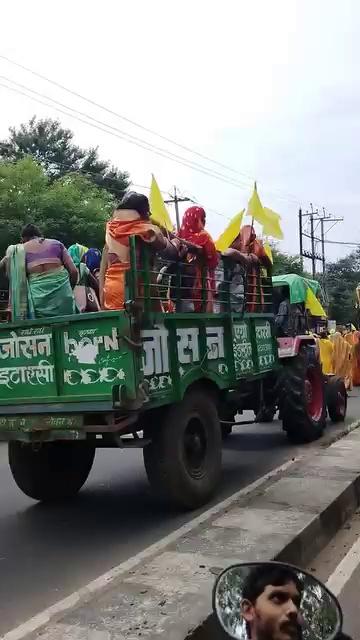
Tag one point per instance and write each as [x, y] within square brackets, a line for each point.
[356, 359]
[248, 244]
[41, 276]
[326, 353]
[86, 280]
[193, 230]
[342, 359]
[92, 259]
[130, 218]
[77, 253]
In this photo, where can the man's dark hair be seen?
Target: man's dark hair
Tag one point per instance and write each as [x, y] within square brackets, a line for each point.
[137, 201]
[30, 231]
[284, 292]
[263, 575]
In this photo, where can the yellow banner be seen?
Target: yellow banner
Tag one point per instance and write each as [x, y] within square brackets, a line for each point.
[158, 210]
[230, 233]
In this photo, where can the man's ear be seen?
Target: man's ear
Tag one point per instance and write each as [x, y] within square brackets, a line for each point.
[247, 610]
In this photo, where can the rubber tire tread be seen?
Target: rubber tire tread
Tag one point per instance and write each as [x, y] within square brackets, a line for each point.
[266, 414]
[226, 430]
[164, 466]
[55, 471]
[299, 426]
[335, 384]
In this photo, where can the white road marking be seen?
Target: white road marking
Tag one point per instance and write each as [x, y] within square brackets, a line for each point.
[95, 586]
[345, 569]
[50, 614]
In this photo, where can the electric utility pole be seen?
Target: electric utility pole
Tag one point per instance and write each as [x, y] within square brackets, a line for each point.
[175, 200]
[322, 219]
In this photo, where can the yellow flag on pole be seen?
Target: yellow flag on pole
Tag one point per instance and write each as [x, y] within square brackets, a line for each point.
[269, 220]
[230, 233]
[255, 208]
[313, 304]
[268, 251]
[158, 210]
[271, 226]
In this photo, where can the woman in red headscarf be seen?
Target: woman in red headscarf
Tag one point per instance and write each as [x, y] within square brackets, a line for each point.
[247, 243]
[193, 230]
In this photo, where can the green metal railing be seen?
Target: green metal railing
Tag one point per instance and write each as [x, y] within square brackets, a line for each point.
[158, 284]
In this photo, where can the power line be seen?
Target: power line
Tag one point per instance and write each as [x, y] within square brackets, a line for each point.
[175, 199]
[135, 139]
[91, 173]
[121, 135]
[217, 213]
[281, 194]
[321, 219]
[292, 198]
[348, 244]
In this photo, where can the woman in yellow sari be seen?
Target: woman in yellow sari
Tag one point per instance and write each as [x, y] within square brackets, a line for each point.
[343, 354]
[356, 359]
[326, 349]
[352, 338]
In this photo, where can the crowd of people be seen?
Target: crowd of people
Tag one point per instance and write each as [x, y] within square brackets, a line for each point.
[340, 354]
[47, 279]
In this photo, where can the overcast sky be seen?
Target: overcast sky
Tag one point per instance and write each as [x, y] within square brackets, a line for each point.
[270, 88]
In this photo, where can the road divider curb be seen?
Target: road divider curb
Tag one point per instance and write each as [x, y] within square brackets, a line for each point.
[165, 590]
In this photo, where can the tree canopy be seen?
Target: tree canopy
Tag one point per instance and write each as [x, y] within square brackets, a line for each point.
[71, 208]
[286, 263]
[342, 278]
[52, 146]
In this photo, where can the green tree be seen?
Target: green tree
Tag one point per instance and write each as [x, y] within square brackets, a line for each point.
[342, 278]
[286, 263]
[52, 146]
[71, 209]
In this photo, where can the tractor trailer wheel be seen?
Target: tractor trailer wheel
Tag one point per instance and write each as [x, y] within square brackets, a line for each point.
[183, 460]
[50, 471]
[336, 398]
[302, 398]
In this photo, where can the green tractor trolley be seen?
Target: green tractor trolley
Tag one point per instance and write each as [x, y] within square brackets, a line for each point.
[169, 383]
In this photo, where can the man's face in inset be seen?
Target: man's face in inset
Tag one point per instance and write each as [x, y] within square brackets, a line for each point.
[275, 613]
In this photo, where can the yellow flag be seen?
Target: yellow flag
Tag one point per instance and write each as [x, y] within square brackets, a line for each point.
[230, 233]
[268, 251]
[271, 226]
[255, 208]
[265, 216]
[159, 213]
[313, 305]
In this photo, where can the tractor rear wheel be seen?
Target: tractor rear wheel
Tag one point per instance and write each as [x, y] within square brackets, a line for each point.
[302, 398]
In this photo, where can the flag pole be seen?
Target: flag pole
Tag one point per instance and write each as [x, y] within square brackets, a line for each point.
[252, 221]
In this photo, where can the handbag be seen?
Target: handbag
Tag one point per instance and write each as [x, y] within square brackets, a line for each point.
[86, 299]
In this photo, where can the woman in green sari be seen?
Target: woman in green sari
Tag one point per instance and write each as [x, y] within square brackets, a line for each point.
[86, 280]
[41, 277]
[77, 253]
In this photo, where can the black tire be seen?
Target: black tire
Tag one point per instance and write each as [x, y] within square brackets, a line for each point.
[265, 414]
[226, 430]
[302, 398]
[183, 460]
[336, 398]
[50, 471]
[227, 420]
[266, 399]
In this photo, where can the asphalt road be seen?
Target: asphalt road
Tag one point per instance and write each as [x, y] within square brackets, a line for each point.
[48, 552]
